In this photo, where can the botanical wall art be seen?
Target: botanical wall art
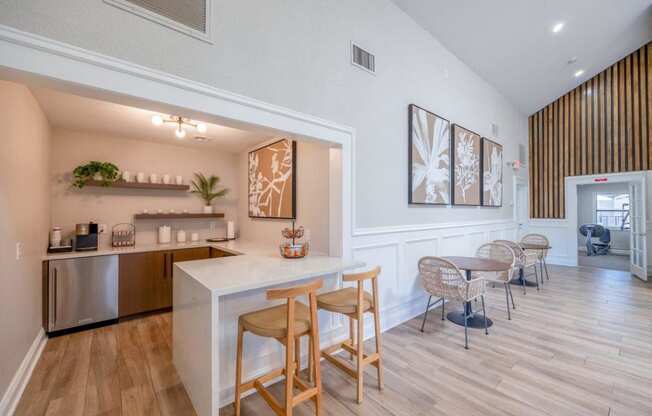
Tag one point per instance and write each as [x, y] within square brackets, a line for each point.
[272, 180]
[466, 166]
[492, 173]
[429, 157]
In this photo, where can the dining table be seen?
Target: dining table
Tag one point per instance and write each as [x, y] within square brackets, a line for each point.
[522, 281]
[470, 265]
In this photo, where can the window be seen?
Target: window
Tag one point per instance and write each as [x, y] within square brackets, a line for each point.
[612, 210]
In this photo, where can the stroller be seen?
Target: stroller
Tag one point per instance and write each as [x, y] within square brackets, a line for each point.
[602, 246]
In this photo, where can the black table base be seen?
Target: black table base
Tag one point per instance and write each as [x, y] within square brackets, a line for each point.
[521, 278]
[473, 321]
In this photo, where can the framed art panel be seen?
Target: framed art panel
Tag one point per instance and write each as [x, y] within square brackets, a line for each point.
[272, 180]
[466, 166]
[492, 173]
[429, 173]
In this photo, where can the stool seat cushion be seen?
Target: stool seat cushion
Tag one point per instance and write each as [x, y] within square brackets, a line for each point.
[272, 322]
[343, 301]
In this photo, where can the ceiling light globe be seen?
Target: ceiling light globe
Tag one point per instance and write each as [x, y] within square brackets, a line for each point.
[558, 27]
[157, 120]
[201, 127]
[579, 73]
[180, 133]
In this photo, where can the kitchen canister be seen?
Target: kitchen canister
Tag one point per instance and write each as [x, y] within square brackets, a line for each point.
[140, 177]
[55, 237]
[230, 230]
[126, 176]
[164, 234]
[166, 179]
[179, 180]
[181, 236]
[153, 178]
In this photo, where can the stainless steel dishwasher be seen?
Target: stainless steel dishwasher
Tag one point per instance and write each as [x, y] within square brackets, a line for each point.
[82, 291]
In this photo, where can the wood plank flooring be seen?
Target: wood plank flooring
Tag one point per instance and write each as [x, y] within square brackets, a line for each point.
[581, 346]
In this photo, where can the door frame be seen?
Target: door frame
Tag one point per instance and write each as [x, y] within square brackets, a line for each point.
[520, 182]
[571, 184]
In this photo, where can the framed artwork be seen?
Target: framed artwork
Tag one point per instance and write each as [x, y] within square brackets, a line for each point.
[429, 173]
[272, 180]
[492, 173]
[466, 166]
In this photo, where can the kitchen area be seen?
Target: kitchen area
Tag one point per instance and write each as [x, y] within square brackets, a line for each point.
[124, 199]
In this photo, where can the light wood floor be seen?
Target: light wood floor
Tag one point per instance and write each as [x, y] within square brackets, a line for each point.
[581, 346]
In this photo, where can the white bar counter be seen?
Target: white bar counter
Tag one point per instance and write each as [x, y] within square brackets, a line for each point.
[209, 295]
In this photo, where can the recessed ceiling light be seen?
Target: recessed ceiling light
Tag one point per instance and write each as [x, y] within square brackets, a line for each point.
[558, 27]
[579, 73]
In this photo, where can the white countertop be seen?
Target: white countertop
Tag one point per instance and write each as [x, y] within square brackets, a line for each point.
[259, 267]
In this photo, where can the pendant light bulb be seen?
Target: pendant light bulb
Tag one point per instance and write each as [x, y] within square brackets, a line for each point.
[157, 120]
[180, 132]
[201, 127]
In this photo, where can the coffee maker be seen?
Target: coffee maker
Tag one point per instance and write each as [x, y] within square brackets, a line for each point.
[86, 237]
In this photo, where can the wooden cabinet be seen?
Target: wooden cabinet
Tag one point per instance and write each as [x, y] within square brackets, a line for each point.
[146, 282]
[216, 252]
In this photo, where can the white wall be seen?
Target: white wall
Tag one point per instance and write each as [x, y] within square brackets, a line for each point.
[296, 54]
[312, 201]
[585, 204]
[113, 206]
[25, 219]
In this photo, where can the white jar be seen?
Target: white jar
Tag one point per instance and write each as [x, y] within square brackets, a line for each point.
[181, 236]
[166, 179]
[126, 176]
[55, 237]
[140, 177]
[179, 180]
[153, 178]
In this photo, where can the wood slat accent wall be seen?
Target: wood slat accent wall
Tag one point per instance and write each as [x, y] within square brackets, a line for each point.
[602, 126]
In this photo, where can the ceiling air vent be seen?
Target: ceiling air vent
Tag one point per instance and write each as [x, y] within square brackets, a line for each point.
[186, 16]
[363, 59]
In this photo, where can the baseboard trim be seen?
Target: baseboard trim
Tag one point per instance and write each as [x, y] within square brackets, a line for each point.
[17, 386]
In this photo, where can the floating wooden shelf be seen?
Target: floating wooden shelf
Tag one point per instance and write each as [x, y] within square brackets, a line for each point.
[138, 185]
[177, 216]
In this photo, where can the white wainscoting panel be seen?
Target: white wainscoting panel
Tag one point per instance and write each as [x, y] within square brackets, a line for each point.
[563, 252]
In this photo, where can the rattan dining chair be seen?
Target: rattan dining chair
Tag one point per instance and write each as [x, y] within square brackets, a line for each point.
[525, 260]
[441, 278]
[504, 254]
[542, 254]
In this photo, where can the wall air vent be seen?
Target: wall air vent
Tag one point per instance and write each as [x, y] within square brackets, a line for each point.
[190, 17]
[363, 59]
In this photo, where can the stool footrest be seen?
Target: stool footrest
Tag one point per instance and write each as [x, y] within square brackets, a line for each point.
[267, 396]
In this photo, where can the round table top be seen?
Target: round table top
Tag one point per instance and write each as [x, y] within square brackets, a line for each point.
[478, 264]
[532, 246]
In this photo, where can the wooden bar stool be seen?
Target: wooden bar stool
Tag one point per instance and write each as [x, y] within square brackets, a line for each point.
[286, 323]
[354, 302]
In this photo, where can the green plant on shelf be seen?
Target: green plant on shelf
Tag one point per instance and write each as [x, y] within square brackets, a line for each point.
[205, 188]
[104, 172]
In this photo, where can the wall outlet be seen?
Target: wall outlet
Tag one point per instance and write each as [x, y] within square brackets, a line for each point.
[101, 228]
[19, 251]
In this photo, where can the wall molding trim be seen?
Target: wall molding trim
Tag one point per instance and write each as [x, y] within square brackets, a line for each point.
[18, 383]
[393, 229]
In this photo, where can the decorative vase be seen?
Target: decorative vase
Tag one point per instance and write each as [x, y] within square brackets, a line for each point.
[208, 209]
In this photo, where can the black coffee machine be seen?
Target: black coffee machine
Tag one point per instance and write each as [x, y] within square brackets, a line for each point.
[86, 237]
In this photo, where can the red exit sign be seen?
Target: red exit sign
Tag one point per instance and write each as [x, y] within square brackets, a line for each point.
[601, 180]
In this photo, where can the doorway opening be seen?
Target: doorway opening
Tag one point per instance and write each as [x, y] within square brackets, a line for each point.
[607, 217]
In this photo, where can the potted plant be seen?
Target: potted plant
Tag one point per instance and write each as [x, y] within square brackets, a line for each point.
[205, 188]
[104, 172]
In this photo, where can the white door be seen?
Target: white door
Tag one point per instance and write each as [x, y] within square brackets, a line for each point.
[521, 209]
[638, 237]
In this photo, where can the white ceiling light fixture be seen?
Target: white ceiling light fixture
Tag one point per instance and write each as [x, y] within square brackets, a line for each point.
[181, 123]
[557, 27]
[579, 73]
